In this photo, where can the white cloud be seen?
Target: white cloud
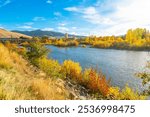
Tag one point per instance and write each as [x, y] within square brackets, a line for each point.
[129, 14]
[4, 3]
[63, 29]
[1, 27]
[115, 17]
[29, 23]
[49, 1]
[72, 9]
[57, 14]
[47, 29]
[73, 33]
[39, 19]
[91, 15]
[74, 28]
[62, 24]
[25, 27]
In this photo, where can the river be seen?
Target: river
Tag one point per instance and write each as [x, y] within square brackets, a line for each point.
[119, 65]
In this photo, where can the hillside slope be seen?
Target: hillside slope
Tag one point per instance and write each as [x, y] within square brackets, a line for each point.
[21, 81]
[8, 34]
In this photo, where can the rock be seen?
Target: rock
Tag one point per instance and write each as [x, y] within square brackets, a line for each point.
[59, 90]
[42, 74]
[60, 83]
[82, 98]
[73, 96]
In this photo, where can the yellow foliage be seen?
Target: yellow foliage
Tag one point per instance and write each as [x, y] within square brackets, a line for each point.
[85, 76]
[71, 69]
[114, 93]
[128, 94]
[22, 82]
[51, 67]
[102, 44]
[63, 43]
[125, 94]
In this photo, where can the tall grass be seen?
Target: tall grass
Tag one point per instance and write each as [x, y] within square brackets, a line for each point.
[19, 81]
[5, 60]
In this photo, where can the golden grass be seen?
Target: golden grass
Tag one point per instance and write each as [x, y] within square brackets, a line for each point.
[46, 89]
[5, 60]
[19, 81]
[8, 34]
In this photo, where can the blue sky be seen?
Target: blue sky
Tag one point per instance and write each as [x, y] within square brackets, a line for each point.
[83, 17]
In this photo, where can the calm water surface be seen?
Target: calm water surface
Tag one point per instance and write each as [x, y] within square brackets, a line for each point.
[119, 65]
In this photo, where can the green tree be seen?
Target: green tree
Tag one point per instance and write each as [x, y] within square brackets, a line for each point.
[36, 51]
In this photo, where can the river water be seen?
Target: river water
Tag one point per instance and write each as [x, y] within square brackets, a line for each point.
[119, 65]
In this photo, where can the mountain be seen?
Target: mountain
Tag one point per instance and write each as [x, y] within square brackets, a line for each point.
[7, 34]
[41, 33]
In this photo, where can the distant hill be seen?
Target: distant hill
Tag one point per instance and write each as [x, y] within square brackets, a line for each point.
[8, 34]
[41, 33]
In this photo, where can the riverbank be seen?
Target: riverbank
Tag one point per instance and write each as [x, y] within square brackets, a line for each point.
[20, 80]
[68, 79]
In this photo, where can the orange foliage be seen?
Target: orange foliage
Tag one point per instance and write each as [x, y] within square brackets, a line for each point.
[97, 82]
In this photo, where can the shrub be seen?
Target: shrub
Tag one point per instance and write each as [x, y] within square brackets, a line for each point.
[113, 93]
[145, 76]
[128, 94]
[22, 51]
[72, 43]
[102, 44]
[51, 67]
[71, 70]
[36, 51]
[11, 46]
[62, 43]
[125, 94]
[98, 83]
[85, 77]
[95, 81]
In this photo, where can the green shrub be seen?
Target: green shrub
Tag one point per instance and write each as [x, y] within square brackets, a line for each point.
[36, 51]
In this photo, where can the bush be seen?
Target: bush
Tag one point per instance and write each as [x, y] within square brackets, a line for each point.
[62, 43]
[102, 44]
[36, 51]
[113, 93]
[71, 70]
[50, 67]
[97, 82]
[126, 94]
[72, 43]
[85, 77]
[145, 76]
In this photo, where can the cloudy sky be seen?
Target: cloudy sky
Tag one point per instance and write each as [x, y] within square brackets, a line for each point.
[83, 17]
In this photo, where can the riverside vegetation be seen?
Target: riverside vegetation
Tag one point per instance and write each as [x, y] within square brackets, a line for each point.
[134, 39]
[27, 73]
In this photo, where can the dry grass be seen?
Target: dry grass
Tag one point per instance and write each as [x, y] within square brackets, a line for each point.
[18, 81]
[8, 34]
[47, 89]
[5, 60]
